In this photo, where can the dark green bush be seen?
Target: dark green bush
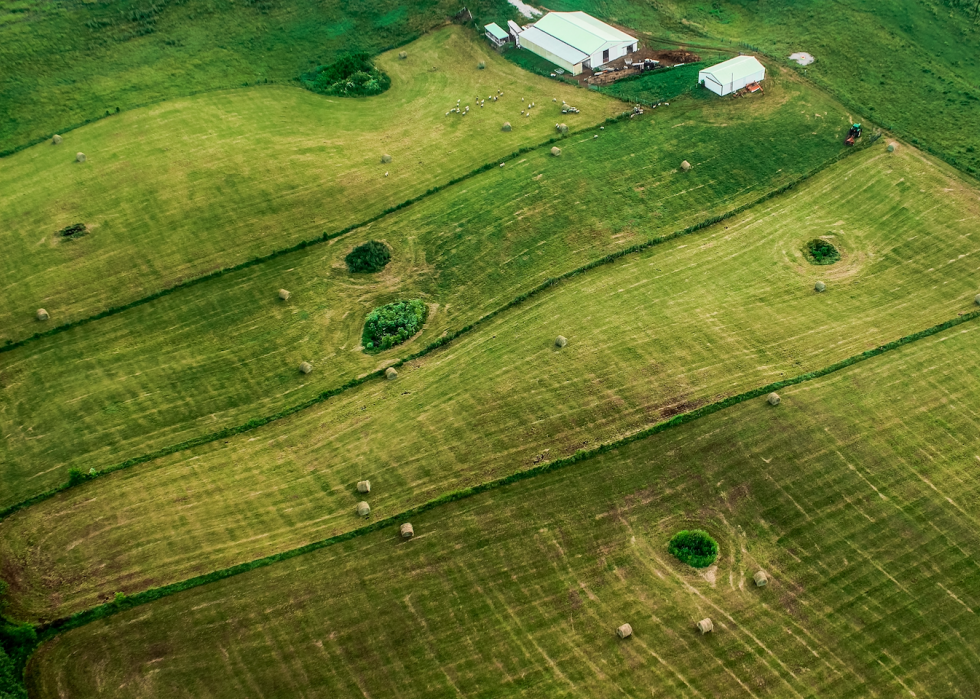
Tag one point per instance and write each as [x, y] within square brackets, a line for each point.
[820, 252]
[694, 547]
[371, 256]
[394, 323]
[72, 230]
[352, 75]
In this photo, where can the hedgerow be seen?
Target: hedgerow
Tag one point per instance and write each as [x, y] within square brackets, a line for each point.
[393, 323]
[694, 547]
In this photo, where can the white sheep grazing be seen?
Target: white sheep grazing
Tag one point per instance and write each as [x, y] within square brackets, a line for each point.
[386, 174]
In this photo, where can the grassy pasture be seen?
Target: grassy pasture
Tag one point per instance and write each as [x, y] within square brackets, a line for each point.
[219, 353]
[856, 494]
[661, 332]
[65, 63]
[912, 66]
[188, 186]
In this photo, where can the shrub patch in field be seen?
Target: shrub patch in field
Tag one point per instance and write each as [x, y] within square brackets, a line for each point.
[819, 252]
[352, 75]
[393, 323]
[371, 256]
[75, 230]
[694, 547]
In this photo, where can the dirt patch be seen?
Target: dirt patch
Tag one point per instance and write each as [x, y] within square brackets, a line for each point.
[666, 57]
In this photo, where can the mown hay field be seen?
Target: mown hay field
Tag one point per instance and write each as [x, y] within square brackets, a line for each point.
[870, 549]
[225, 351]
[192, 185]
[711, 315]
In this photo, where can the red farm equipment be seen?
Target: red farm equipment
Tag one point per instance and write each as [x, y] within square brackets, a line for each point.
[853, 135]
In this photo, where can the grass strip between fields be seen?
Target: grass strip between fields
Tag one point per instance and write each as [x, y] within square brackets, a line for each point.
[303, 244]
[441, 342]
[123, 602]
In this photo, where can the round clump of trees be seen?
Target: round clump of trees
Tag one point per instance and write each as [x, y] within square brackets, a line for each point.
[694, 547]
[819, 252]
[371, 256]
[393, 323]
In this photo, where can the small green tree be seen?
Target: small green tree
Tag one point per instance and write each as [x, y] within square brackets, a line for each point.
[371, 256]
[694, 547]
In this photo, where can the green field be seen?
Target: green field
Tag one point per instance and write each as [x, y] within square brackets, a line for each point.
[667, 330]
[225, 351]
[602, 338]
[192, 185]
[871, 551]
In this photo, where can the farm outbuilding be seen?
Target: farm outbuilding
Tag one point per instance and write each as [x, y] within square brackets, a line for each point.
[575, 41]
[733, 74]
[498, 37]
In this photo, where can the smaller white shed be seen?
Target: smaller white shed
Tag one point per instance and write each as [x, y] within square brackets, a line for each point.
[498, 37]
[733, 74]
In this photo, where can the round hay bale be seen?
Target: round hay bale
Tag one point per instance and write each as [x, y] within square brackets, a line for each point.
[506, 126]
[283, 294]
[560, 341]
[773, 399]
[624, 631]
[364, 486]
[685, 166]
[385, 158]
[819, 286]
[391, 374]
[705, 626]
[481, 65]
[402, 55]
[56, 139]
[42, 314]
[555, 151]
[406, 531]
[80, 157]
[562, 128]
[306, 367]
[761, 579]
[976, 299]
[892, 146]
[363, 509]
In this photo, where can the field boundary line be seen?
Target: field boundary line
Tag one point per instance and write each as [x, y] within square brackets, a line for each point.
[441, 342]
[123, 602]
[303, 244]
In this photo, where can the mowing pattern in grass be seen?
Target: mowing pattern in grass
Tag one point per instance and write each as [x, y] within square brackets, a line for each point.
[68, 64]
[175, 190]
[225, 351]
[695, 547]
[820, 252]
[706, 316]
[870, 550]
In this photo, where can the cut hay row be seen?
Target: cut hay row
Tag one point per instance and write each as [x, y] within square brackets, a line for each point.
[176, 357]
[218, 195]
[869, 557]
[536, 404]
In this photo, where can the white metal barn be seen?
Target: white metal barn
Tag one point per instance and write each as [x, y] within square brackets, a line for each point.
[733, 74]
[575, 41]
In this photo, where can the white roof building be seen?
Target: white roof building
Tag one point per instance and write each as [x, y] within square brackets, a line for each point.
[733, 74]
[575, 41]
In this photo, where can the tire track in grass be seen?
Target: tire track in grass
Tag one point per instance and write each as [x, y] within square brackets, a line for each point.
[51, 629]
[379, 374]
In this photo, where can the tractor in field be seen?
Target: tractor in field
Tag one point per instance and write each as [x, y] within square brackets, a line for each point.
[853, 135]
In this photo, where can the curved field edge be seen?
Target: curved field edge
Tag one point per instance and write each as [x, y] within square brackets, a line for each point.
[441, 342]
[176, 191]
[724, 315]
[107, 396]
[772, 557]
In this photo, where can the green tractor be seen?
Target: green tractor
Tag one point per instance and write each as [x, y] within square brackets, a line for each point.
[853, 135]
